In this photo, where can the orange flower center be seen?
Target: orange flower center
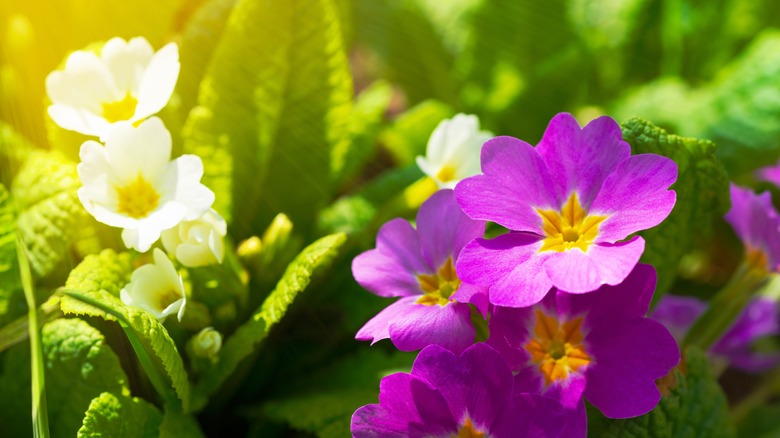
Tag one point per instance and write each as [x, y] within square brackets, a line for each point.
[438, 288]
[467, 430]
[557, 348]
[569, 228]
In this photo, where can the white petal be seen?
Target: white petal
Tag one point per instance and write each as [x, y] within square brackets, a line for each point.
[427, 167]
[217, 246]
[181, 182]
[127, 61]
[84, 83]
[437, 143]
[140, 238]
[145, 150]
[172, 278]
[158, 81]
[79, 120]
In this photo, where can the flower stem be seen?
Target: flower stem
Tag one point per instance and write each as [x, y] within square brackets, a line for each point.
[727, 305]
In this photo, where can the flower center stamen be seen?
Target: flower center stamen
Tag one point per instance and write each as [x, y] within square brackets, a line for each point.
[446, 174]
[165, 299]
[467, 430]
[121, 109]
[137, 199]
[557, 348]
[438, 288]
[569, 228]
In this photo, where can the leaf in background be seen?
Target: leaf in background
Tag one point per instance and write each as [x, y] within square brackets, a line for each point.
[244, 341]
[176, 424]
[702, 195]
[761, 423]
[12, 302]
[365, 120]
[16, 396]
[44, 193]
[120, 416]
[79, 366]
[14, 149]
[99, 277]
[272, 107]
[412, 52]
[324, 402]
[408, 135]
[693, 404]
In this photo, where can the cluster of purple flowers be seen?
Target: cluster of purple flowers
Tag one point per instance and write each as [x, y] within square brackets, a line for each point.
[564, 294]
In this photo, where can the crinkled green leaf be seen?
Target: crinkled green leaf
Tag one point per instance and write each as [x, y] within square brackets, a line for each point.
[44, 193]
[101, 277]
[14, 149]
[693, 405]
[702, 195]
[12, 304]
[408, 136]
[176, 424]
[324, 402]
[272, 108]
[79, 366]
[365, 121]
[111, 415]
[295, 280]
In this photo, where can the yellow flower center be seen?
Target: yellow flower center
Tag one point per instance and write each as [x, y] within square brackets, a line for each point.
[121, 109]
[557, 348]
[166, 298]
[438, 288]
[569, 228]
[138, 198]
[467, 430]
[446, 173]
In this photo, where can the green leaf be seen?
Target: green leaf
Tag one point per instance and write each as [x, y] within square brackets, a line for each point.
[14, 149]
[294, 281]
[176, 424]
[16, 398]
[79, 366]
[100, 278]
[761, 423]
[702, 195]
[408, 136]
[111, 415]
[44, 193]
[693, 404]
[12, 303]
[324, 402]
[272, 109]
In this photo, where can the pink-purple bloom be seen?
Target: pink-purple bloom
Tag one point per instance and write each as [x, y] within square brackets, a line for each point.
[597, 346]
[770, 174]
[759, 319]
[569, 203]
[757, 223]
[467, 395]
[418, 265]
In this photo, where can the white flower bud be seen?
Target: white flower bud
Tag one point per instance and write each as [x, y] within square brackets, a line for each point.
[206, 343]
[199, 242]
[156, 288]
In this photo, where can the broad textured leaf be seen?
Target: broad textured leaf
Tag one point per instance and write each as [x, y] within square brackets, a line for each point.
[324, 402]
[111, 415]
[408, 136]
[702, 195]
[272, 108]
[244, 341]
[693, 405]
[101, 277]
[12, 303]
[79, 366]
[44, 193]
[14, 149]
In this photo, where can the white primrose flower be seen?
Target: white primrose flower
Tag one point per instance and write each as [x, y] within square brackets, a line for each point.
[127, 82]
[207, 343]
[199, 242]
[453, 150]
[156, 288]
[131, 183]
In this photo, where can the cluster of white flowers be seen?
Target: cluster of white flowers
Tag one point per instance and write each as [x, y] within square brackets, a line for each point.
[129, 180]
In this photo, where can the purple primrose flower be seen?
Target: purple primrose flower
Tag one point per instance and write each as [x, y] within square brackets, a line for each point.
[569, 203]
[759, 319]
[447, 395]
[419, 266]
[757, 224]
[770, 174]
[598, 346]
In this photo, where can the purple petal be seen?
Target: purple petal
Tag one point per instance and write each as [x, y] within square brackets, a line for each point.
[678, 313]
[629, 299]
[406, 403]
[473, 294]
[509, 332]
[759, 319]
[415, 326]
[755, 221]
[510, 264]
[568, 392]
[629, 355]
[577, 421]
[770, 174]
[635, 196]
[514, 183]
[577, 272]
[444, 229]
[390, 269]
[579, 160]
[531, 415]
[477, 383]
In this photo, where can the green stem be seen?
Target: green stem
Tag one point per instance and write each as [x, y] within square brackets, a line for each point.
[726, 306]
[769, 386]
[40, 415]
